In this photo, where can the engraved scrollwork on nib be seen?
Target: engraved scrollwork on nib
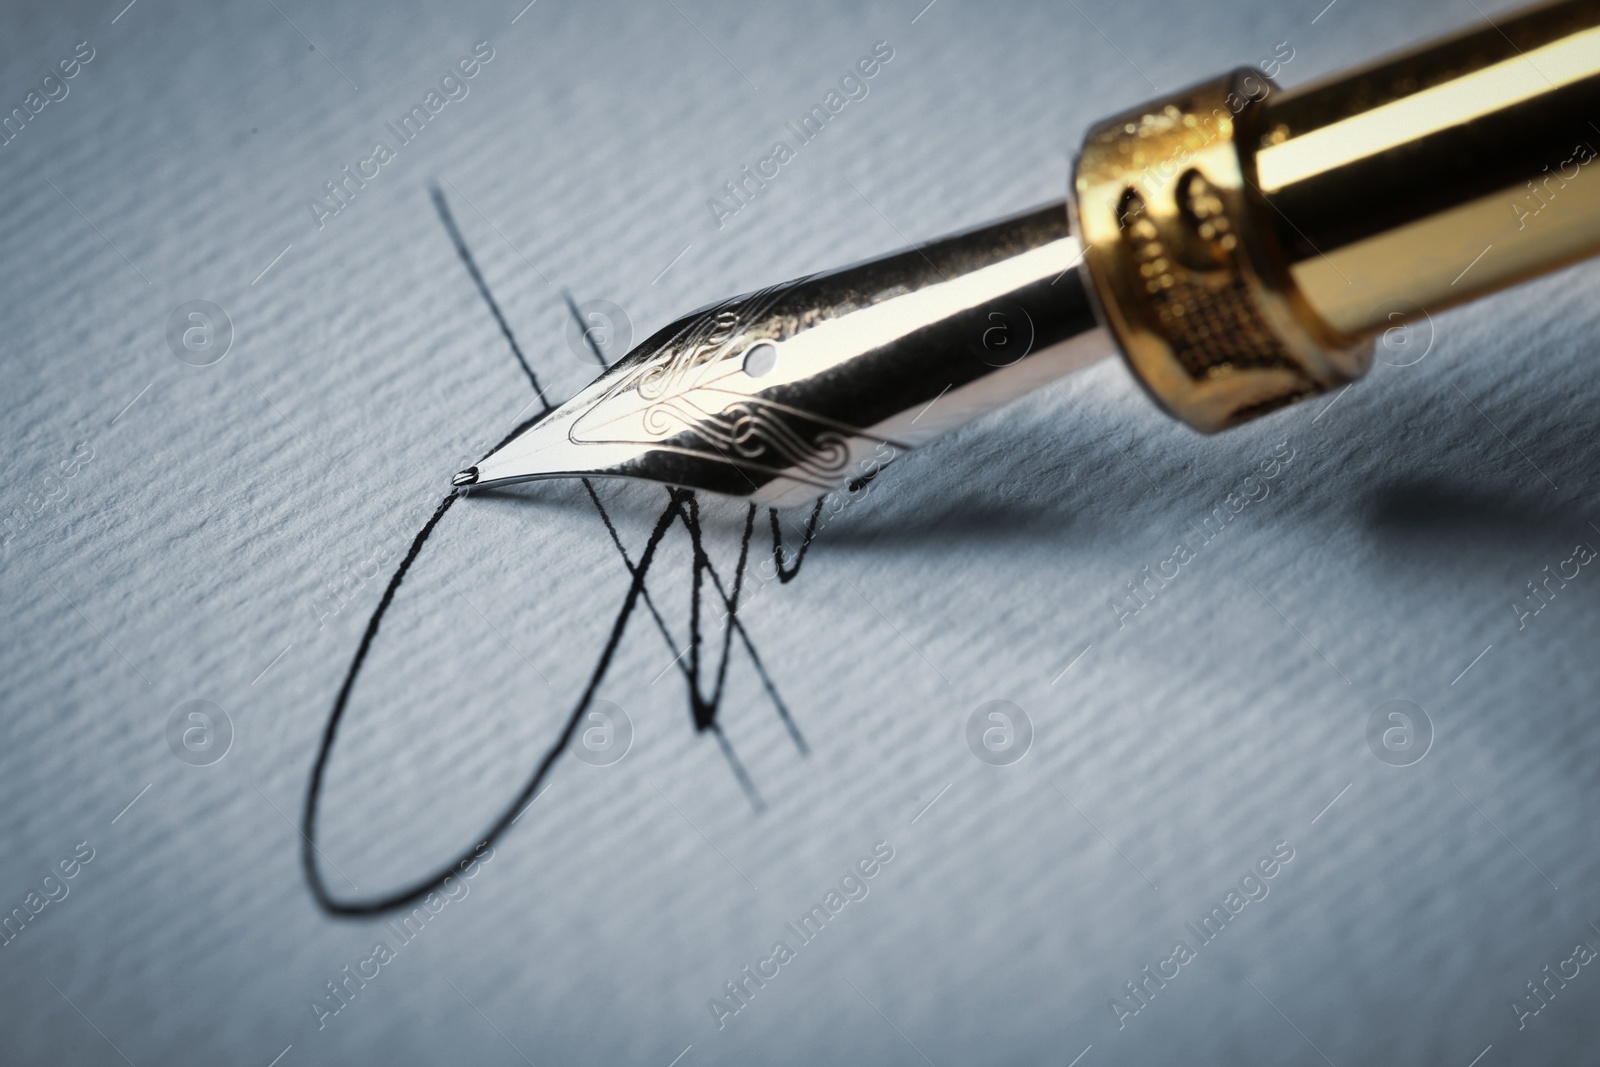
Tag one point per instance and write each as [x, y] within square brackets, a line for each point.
[762, 432]
[690, 392]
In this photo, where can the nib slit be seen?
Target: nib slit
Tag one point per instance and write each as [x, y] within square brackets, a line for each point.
[466, 477]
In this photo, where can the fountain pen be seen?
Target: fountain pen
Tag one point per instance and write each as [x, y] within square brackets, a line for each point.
[1241, 246]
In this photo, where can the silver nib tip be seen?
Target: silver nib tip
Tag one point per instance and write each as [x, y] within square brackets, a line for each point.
[466, 477]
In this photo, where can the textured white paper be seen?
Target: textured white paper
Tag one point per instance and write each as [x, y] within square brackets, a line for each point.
[190, 559]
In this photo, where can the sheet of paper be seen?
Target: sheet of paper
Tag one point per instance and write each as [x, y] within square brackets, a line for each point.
[243, 357]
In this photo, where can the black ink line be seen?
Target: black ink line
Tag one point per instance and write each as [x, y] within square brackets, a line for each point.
[788, 574]
[308, 823]
[731, 605]
[417, 890]
[456, 239]
[705, 716]
[682, 506]
[733, 621]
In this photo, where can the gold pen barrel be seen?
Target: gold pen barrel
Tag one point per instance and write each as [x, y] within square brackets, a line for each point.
[1245, 244]
[1435, 177]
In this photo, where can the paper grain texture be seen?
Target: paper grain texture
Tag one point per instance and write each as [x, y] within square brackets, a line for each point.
[1174, 747]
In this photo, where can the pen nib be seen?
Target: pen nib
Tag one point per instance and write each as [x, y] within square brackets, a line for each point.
[787, 393]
